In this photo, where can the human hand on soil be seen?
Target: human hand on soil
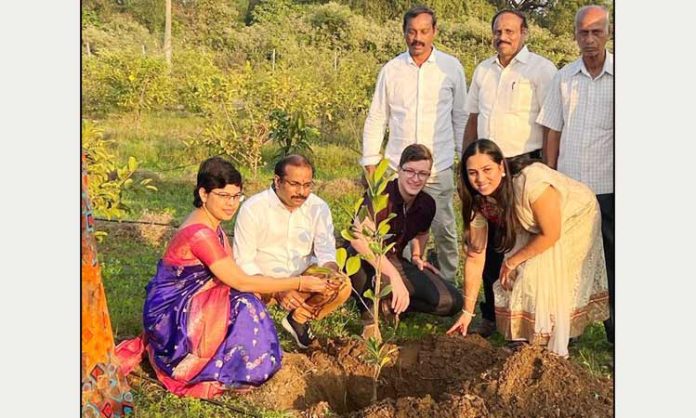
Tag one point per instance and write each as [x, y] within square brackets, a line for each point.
[292, 299]
[400, 297]
[507, 275]
[461, 326]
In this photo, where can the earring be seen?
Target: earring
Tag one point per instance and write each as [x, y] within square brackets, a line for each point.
[503, 174]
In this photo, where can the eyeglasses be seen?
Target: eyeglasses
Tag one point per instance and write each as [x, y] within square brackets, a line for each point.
[296, 185]
[231, 197]
[410, 173]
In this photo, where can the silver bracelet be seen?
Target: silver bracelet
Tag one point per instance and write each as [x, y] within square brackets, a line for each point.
[468, 313]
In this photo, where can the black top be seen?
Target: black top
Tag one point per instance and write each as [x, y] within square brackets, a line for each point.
[407, 224]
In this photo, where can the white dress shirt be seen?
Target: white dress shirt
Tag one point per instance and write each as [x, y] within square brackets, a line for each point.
[421, 105]
[508, 100]
[582, 109]
[273, 241]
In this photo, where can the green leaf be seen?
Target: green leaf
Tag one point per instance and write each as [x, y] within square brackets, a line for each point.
[380, 202]
[381, 169]
[383, 228]
[369, 294]
[132, 164]
[347, 235]
[352, 265]
[381, 185]
[341, 255]
[386, 290]
[389, 247]
[357, 205]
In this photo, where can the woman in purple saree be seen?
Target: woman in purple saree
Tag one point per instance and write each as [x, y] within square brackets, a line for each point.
[205, 331]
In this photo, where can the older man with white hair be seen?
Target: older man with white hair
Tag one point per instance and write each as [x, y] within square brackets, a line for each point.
[579, 112]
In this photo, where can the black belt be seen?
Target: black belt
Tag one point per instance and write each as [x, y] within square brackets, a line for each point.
[532, 155]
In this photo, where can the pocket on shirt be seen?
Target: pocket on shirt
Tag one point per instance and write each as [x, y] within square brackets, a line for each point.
[522, 96]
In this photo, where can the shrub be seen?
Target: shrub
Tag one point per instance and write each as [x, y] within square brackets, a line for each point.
[107, 180]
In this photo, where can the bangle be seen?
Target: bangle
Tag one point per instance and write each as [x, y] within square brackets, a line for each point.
[468, 313]
[507, 265]
[415, 255]
[299, 283]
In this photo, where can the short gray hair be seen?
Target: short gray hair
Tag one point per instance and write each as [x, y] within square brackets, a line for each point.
[581, 12]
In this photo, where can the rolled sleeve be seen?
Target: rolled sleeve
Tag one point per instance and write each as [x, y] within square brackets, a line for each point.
[244, 247]
[551, 114]
[376, 123]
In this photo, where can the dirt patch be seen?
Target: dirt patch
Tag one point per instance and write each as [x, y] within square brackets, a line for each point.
[159, 230]
[438, 376]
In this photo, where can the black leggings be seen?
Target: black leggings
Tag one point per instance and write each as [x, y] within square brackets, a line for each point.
[428, 292]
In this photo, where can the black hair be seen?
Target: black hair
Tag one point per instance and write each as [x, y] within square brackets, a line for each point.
[418, 10]
[215, 173]
[511, 11]
[503, 195]
[295, 160]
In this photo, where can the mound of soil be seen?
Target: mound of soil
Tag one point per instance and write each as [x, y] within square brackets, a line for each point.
[439, 376]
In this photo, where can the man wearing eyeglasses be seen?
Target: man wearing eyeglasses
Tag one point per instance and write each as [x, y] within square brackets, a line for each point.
[417, 285]
[283, 231]
[420, 95]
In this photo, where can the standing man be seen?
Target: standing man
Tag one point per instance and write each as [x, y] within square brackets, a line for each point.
[283, 231]
[504, 100]
[579, 112]
[420, 95]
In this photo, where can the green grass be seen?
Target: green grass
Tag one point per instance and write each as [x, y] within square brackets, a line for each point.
[128, 259]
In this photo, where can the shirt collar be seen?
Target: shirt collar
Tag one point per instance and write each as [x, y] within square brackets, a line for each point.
[396, 198]
[431, 58]
[522, 56]
[608, 66]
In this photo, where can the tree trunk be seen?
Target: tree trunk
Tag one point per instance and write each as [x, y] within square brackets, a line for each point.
[168, 33]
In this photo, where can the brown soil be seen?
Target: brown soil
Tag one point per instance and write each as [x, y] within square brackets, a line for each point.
[439, 376]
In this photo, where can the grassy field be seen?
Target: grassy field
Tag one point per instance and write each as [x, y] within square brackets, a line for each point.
[130, 252]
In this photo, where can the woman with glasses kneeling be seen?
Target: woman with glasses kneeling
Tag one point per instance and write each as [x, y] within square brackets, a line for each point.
[416, 285]
[553, 280]
[204, 329]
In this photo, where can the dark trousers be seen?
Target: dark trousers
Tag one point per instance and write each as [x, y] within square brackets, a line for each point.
[606, 207]
[491, 272]
[428, 292]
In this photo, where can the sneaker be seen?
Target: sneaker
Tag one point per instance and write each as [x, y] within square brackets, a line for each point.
[484, 328]
[300, 332]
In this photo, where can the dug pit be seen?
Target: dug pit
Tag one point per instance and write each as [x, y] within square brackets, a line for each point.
[438, 376]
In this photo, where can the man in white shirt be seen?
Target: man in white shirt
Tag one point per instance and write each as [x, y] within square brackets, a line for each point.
[579, 112]
[420, 95]
[284, 230]
[506, 94]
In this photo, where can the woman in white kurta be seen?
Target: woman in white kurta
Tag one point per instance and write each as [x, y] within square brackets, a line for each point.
[553, 280]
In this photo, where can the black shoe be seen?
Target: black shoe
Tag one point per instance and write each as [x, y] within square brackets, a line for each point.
[300, 332]
[484, 328]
